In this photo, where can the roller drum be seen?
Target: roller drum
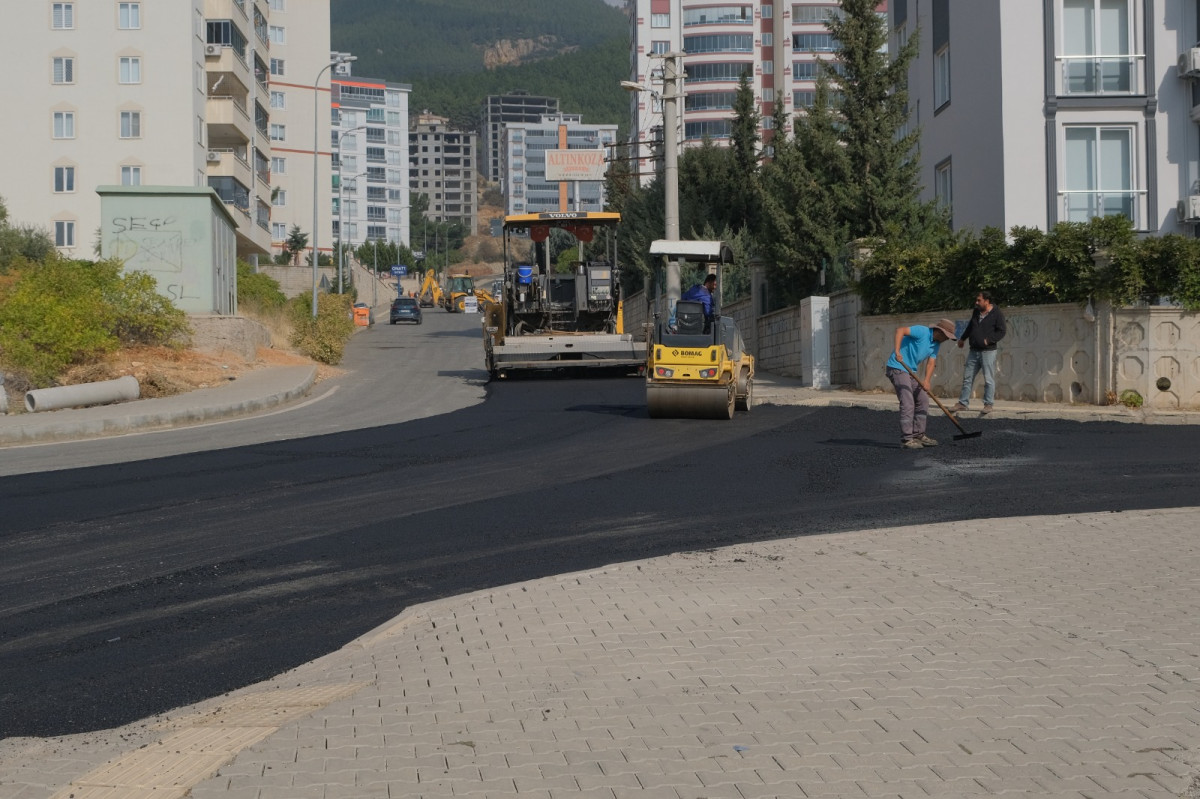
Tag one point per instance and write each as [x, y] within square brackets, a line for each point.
[689, 402]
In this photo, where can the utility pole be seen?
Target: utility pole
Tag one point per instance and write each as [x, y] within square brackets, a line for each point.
[672, 91]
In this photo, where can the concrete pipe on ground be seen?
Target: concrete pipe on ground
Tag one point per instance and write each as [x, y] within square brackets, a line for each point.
[122, 389]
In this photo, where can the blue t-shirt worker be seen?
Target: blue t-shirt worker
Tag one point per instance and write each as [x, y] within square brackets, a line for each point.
[913, 345]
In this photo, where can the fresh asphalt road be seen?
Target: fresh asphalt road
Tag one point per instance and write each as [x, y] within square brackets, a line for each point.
[148, 572]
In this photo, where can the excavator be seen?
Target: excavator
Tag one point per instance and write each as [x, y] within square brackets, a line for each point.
[548, 320]
[430, 293]
[696, 367]
[458, 286]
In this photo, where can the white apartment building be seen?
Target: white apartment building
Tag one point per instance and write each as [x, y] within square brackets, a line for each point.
[370, 160]
[298, 32]
[137, 93]
[442, 167]
[777, 44]
[1034, 112]
[526, 190]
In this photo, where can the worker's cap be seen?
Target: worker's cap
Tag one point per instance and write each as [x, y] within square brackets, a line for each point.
[947, 327]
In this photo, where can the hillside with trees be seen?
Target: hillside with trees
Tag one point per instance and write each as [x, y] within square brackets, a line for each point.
[456, 52]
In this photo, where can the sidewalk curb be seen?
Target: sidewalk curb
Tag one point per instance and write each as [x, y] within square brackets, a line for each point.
[201, 405]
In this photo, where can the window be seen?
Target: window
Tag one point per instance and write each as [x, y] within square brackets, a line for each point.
[279, 198]
[941, 78]
[660, 20]
[943, 186]
[277, 35]
[131, 124]
[723, 15]
[1097, 56]
[277, 5]
[62, 16]
[813, 43]
[129, 16]
[768, 40]
[278, 132]
[279, 231]
[1098, 173]
[64, 233]
[278, 165]
[719, 43]
[811, 15]
[278, 99]
[64, 124]
[660, 47]
[393, 118]
[277, 66]
[130, 69]
[768, 95]
[768, 11]
[131, 176]
[724, 71]
[64, 70]
[64, 179]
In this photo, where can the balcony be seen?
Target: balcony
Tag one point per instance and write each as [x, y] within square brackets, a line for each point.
[228, 121]
[1101, 75]
[1080, 206]
[223, 62]
[230, 163]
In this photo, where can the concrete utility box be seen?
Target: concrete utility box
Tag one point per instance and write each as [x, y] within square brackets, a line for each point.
[182, 235]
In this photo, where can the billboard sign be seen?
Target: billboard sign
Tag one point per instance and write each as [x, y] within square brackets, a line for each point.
[574, 165]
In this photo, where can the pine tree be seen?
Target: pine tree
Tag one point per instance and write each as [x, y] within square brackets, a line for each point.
[883, 187]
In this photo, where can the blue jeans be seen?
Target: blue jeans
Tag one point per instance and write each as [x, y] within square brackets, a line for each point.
[979, 360]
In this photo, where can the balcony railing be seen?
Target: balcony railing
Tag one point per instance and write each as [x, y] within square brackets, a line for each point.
[1101, 74]
[1082, 205]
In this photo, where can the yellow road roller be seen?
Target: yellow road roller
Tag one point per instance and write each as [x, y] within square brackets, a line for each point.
[697, 367]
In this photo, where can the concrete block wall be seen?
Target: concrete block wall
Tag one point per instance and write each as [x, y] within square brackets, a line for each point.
[296, 280]
[1152, 344]
[844, 309]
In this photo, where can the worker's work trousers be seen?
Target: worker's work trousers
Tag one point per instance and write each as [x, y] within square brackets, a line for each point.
[914, 404]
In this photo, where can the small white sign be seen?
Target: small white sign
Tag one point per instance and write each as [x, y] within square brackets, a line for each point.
[574, 165]
[470, 304]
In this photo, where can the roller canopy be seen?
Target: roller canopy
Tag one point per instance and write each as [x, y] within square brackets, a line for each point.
[707, 252]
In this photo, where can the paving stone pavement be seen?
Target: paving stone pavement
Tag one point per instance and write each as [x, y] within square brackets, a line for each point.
[1049, 656]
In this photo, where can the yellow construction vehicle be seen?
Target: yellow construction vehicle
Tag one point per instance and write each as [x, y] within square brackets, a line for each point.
[547, 320]
[430, 293]
[696, 367]
[456, 291]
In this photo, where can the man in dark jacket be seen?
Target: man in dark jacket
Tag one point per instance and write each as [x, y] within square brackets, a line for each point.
[982, 333]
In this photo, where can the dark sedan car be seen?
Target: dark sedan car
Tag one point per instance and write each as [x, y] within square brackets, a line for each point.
[405, 309]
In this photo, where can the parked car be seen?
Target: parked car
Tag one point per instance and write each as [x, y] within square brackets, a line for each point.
[405, 309]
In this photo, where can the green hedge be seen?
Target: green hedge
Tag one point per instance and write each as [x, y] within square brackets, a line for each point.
[324, 338]
[1102, 259]
[60, 313]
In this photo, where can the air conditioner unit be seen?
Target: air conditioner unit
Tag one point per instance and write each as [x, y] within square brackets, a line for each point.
[1188, 210]
[214, 157]
[1189, 63]
[212, 49]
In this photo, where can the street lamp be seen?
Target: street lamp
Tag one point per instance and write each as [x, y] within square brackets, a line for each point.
[341, 183]
[672, 77]
[342, 224]
[341, 59]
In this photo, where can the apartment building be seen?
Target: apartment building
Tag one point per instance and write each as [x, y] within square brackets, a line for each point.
[526, 189]
[1034, 112]
[776, 44]
[370, 183]
[300, 81]
[137, 93]
[442, 168]
[501, 109]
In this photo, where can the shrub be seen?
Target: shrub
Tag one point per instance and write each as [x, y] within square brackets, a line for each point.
[257, 291]
[1131, 399]
[61, 313]
[324, 338]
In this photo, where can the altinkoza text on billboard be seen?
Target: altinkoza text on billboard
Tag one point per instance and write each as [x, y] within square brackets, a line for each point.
[574, 165]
